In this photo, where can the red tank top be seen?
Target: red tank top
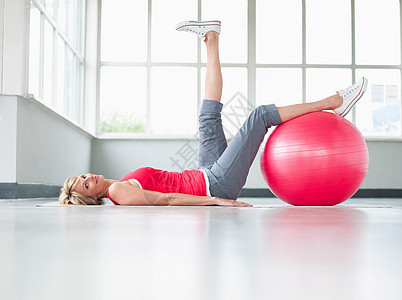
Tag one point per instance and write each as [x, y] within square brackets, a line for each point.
[190, 182]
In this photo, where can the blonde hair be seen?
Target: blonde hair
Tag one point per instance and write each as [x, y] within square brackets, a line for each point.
[69, 196]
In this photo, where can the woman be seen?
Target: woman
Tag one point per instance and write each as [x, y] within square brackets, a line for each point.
[222, 169]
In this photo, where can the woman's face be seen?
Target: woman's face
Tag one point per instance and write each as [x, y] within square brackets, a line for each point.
[91, 185]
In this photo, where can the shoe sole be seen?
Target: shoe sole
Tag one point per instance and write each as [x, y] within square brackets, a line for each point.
[197, 23]
[357, 98]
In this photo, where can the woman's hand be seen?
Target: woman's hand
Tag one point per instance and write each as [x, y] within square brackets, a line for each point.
[227, 202]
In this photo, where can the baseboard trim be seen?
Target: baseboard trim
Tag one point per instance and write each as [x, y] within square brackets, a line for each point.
[21, 190]
[37, 190]
[362, 193]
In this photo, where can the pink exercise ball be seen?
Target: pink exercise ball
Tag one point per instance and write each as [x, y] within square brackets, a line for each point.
[316, 159]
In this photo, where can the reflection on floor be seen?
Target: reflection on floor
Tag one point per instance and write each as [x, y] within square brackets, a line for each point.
[350, 251]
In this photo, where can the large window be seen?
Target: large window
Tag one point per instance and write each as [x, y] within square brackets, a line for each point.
[286, 52]
[56, 55]
[307, 52]
[151, 76]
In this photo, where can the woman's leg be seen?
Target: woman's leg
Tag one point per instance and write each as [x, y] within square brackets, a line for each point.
[342, 102]
[212, 138]
[292, 111]
[213, 79]
[228, 175]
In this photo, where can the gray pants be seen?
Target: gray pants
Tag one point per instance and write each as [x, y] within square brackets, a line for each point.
[227, 167]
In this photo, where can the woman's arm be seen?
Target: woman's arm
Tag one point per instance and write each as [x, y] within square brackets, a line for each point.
[184, 199]
[126, 194]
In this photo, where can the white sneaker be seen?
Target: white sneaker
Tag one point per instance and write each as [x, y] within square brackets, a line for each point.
[351, 95]
[200, 28]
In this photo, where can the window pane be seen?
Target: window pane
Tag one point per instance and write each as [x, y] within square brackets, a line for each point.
[48, 64]
[70, 86]
[279, 31]
[79, 91]
[60, 73]
[123, 99]
[75, 26]
[72, 21]
[279, 86]
[322, 83]
[379, 111]
[174, 100]
[168, 44]
[56, 74]
[377, 32]
[233, 14]
[328, 31]
[80, 28]
[34, 46]
[124, 30]
[50, 7]
[62, 15]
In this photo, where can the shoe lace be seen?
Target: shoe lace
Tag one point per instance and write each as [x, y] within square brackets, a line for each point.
[351, 90]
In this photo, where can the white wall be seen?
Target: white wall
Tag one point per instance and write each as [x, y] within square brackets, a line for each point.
[49, 148]
[14, 40]
[1, 42]
[8, 136]
[115, 158]
[385, 169]
[39, 146]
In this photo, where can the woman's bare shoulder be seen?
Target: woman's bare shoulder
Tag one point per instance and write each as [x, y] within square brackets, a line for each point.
[121, 189]
[125, 184]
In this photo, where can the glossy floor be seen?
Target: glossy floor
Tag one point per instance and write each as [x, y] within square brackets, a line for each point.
[350, 251]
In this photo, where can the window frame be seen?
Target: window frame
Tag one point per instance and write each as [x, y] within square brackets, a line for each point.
[251, 67]
[54, 103]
